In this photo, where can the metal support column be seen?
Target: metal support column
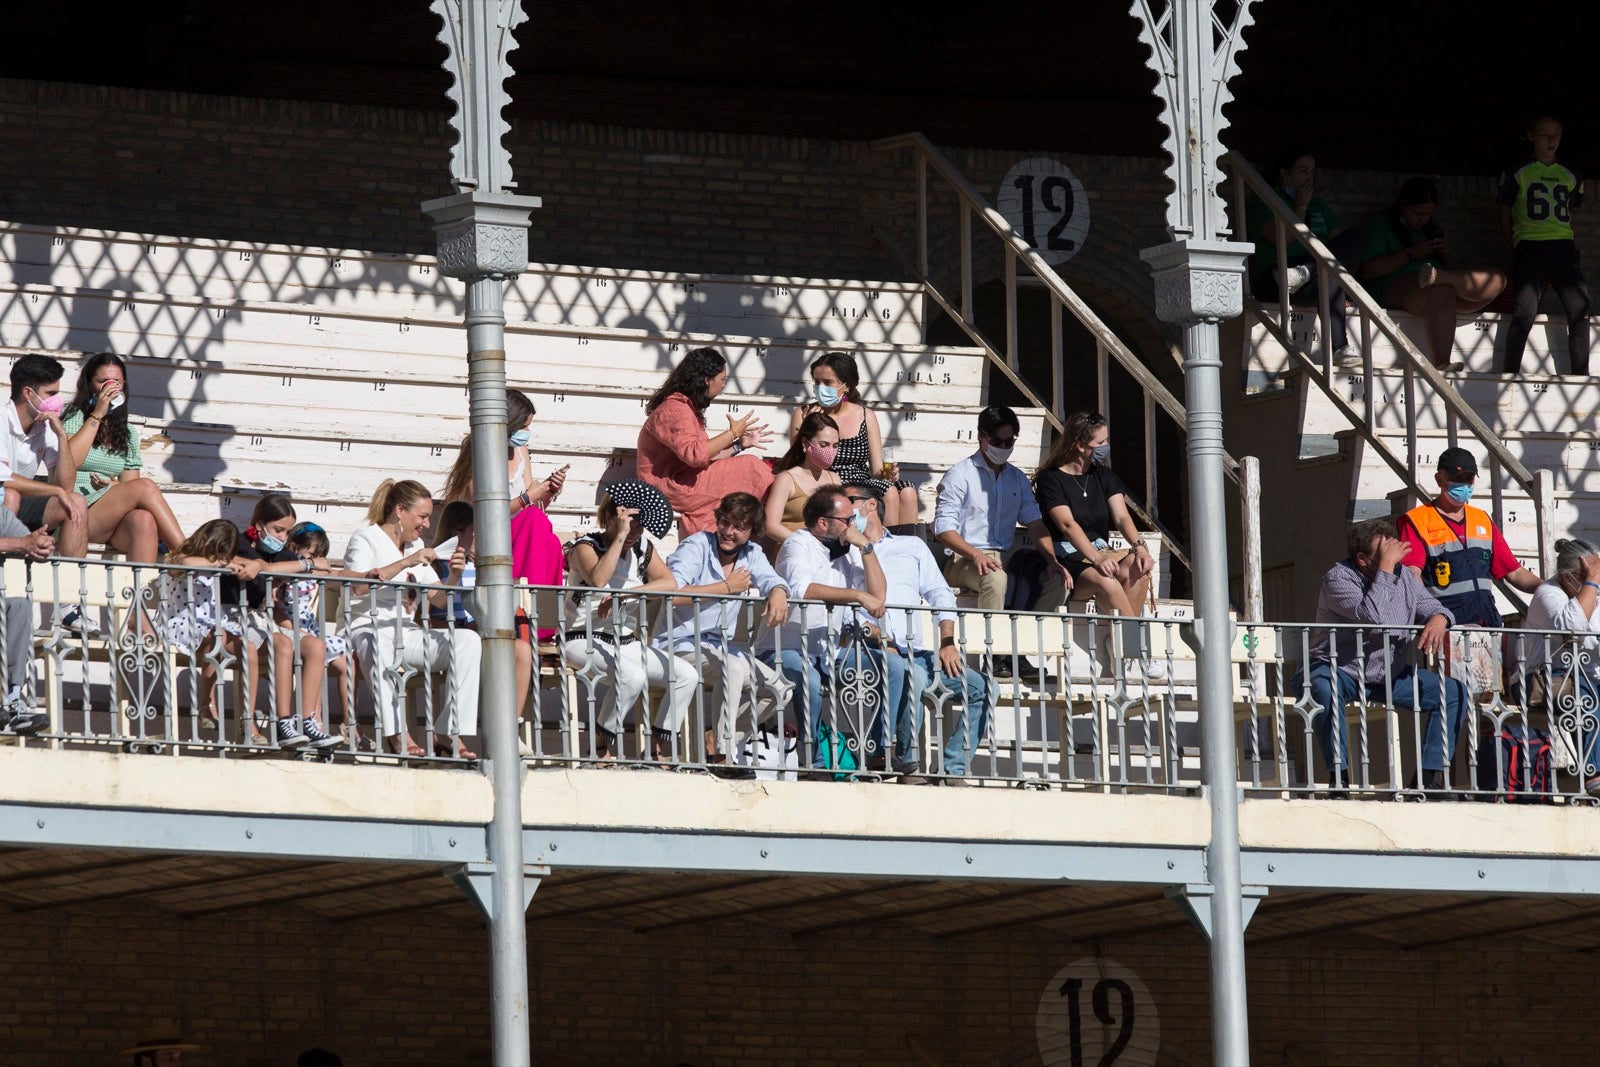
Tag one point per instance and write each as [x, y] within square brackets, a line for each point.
[1199, 281]
[483, 240]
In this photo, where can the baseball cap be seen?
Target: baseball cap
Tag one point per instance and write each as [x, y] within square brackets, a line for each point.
[1458, 463]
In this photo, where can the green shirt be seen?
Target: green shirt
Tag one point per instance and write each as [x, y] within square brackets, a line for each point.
[1542, 197]
[1320, 220]
[102, 461]
[1386, 235]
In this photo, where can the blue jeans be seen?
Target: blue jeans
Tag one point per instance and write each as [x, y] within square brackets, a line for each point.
[1409, 690]
[973, 719]
[881, 688]
[806, 672]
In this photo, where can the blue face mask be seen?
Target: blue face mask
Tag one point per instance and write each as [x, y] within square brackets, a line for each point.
[861, 522]
[269, 543]
[1101, 454]
[1460, 492]
[827, 396]
[519, 439]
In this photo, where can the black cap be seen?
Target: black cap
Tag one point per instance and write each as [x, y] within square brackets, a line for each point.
[1459, 464]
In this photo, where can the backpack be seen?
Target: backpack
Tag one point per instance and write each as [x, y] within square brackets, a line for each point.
[1515, 761]
[837, 751]
[772, 757]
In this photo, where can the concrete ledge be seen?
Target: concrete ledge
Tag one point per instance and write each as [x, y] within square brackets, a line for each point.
[1463, 829]
[267, 786]
[641, 800]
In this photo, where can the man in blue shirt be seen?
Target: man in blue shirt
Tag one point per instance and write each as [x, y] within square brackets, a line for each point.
[913, 578]
[982, 501]
[725, 563]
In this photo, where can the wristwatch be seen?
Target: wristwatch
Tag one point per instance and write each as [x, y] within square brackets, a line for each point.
[867, 550]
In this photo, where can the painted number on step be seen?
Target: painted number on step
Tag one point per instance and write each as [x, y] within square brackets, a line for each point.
[1045, 203]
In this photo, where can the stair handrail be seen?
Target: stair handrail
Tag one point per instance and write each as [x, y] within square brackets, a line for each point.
[1458, 412]
[1019, 251]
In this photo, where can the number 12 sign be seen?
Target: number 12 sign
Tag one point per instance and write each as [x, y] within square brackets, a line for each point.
[1046, 204]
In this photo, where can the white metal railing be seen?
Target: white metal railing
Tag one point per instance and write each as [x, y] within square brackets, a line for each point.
[1363, 416]
[1020, 255]
[1047, 700]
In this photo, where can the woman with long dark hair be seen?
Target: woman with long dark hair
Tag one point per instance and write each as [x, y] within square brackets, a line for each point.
[807, 466]
[126, 510]
[695, 471]
[860, 454]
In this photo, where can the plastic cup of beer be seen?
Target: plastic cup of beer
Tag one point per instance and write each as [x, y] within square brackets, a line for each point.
[888, 464]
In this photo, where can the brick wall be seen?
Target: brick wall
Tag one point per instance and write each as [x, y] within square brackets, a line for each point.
[259, 986]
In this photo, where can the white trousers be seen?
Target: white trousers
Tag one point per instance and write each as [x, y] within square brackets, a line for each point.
[626, 668]
[729, 669]
[382, 653]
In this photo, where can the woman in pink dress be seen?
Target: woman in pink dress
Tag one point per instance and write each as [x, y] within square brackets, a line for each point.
[695, 471]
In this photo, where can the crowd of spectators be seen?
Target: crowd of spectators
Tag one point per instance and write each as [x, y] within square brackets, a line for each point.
[1404, 261]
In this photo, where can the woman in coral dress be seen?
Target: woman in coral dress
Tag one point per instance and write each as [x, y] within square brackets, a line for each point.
[693, 470]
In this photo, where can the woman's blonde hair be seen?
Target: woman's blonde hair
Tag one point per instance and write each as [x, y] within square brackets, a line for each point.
[216, 541]
[390, 495]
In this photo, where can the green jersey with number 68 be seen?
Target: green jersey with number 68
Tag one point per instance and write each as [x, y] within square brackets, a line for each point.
[1542, 198]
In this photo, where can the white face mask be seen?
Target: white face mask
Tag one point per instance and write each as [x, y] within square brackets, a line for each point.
[997, 456]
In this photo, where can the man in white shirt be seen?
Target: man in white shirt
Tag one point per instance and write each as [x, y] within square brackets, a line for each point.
[913, 578]
[17, 713]
[31, 446]
[831, 561]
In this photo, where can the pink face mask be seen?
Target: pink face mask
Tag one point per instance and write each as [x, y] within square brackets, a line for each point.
[822, 455]
[49, 405]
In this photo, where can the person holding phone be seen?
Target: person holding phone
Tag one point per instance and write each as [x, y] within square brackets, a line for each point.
[126, 510]
[1408, 267]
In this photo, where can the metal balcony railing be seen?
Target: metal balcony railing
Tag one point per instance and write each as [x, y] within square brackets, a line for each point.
[1419, 377]
[1044, 700]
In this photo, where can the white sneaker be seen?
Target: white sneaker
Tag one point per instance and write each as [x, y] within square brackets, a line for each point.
[1295, 278]
[1348, 356]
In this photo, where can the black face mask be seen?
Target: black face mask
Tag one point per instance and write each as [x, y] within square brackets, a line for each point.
[835, 547]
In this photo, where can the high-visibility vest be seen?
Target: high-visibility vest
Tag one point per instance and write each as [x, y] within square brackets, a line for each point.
[1457, 572]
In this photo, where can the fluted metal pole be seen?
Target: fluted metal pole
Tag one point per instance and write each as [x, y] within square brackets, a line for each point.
[483, 240]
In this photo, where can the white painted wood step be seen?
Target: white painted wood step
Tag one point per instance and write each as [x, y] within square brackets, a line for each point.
[410, 286]
[1479, 343]
[281, 335]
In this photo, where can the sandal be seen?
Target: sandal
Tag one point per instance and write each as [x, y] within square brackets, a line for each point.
[413, 750]
[453, 748]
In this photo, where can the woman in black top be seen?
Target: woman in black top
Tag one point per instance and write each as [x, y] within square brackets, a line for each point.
[1081, 502]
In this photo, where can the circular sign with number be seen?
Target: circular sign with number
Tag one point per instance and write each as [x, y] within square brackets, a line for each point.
[1096, 1013]
[1047, 206]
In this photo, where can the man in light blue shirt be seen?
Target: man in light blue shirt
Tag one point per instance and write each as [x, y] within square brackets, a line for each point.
[724, 562]
[913, 578]
[982, 501]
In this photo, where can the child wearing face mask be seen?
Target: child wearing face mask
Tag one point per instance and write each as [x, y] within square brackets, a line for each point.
[296, 605]
[807, 466]
[264, 550]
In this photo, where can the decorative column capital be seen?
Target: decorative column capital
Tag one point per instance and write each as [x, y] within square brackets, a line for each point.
[1198, 281]
[481, 235]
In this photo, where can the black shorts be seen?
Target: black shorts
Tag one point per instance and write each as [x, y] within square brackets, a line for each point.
[31, 511]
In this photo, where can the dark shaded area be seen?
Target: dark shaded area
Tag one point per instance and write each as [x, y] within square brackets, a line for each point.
[1369, 83]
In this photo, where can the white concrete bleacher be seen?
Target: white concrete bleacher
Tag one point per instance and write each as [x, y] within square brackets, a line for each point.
[320, 371]
[1547, 420]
